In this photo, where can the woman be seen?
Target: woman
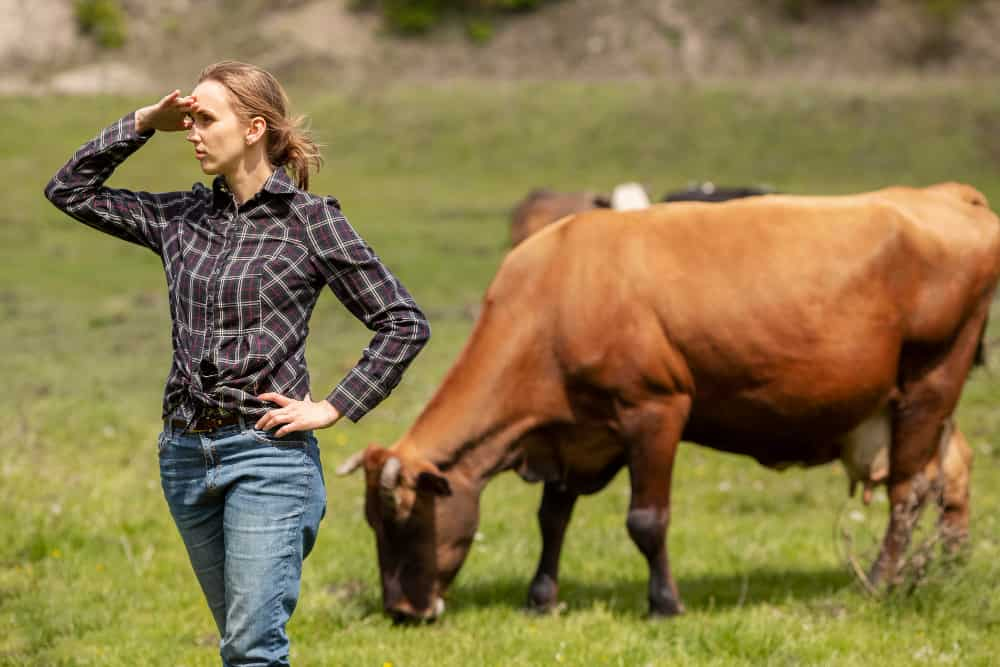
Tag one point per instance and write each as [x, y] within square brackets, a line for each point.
[245, 262]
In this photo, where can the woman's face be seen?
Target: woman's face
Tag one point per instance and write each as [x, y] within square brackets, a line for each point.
[218, 134]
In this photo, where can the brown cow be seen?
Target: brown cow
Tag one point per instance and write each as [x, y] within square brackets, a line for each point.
[542, 207]
[792, 329]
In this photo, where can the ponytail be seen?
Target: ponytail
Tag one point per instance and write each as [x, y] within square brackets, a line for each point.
[290, 145]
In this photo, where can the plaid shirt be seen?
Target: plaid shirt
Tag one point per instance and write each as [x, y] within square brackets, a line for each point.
[243, 281]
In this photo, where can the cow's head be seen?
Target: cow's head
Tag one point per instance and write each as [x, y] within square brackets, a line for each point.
[424, 524]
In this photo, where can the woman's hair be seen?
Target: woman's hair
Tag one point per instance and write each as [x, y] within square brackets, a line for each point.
[256, 92]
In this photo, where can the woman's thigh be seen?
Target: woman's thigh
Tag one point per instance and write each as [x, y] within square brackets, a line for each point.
[197, 506]
[275, 499]
[275, 495]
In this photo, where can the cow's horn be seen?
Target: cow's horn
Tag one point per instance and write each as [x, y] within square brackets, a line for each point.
[389, 479]
[351, 464]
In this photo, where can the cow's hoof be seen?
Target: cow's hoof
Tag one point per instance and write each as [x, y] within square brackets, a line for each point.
[880, 578]
[665, 608]
[533, 607]
[543, 596]
[657, 614]
[554, 609]
[954, 539]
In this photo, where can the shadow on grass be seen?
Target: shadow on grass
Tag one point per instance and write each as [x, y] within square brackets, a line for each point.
[627, 597]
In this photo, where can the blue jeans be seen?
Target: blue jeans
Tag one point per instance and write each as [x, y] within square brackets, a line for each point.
[248, 507]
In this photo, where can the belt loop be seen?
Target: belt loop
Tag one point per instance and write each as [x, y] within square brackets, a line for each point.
[168, 428]
[245, 425]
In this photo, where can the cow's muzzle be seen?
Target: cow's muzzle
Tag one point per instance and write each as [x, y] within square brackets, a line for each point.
[403, 613]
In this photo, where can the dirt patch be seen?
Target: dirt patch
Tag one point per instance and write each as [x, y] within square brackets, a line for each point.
[34, 32]
[100, 77]
[683, 39]
[326, 43]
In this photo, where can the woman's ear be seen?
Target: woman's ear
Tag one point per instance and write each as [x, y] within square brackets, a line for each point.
[256, 130]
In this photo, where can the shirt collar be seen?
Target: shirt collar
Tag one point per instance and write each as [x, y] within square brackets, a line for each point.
[278, 183]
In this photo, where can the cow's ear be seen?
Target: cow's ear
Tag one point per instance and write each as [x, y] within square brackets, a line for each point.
[436, 484]
[429, 478]
[375, 456]
[354, 462]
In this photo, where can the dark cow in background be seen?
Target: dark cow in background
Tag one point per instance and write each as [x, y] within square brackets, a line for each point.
[542, 207]
[708, 191]
[795, 330]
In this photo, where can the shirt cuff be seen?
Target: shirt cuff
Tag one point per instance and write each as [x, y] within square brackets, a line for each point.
[126, 130]
[355, 396]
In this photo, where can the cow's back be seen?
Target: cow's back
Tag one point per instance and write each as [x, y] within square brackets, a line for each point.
[770, 259]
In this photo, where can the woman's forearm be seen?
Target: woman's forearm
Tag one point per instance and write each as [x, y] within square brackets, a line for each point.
[78, 188]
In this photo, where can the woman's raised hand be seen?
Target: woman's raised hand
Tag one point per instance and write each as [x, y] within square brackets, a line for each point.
[167, 115]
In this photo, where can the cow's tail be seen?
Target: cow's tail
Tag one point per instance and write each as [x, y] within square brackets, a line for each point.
[980, 358]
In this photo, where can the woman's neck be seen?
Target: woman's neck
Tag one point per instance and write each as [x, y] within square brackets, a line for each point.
[249, 177]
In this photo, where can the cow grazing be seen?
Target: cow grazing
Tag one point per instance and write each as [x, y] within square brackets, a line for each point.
[542, 207]
[796, 330]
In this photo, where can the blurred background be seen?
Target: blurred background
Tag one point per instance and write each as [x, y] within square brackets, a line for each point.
[438, 117]
[141, 45]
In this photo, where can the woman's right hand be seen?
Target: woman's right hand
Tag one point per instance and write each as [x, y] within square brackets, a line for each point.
[166, 115]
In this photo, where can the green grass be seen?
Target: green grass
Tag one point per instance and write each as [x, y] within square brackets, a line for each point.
[92, 571]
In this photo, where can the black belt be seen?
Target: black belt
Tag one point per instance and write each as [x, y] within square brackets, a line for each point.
[206, 423]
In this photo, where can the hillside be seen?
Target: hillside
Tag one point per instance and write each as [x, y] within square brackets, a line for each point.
[324, 42]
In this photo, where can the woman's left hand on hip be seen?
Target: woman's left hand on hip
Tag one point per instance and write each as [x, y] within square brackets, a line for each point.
[304, 415]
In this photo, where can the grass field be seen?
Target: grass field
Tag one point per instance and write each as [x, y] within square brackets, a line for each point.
[92, 571]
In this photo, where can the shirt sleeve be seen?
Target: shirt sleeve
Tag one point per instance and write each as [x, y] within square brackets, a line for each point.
[78, 190]
[373, 294]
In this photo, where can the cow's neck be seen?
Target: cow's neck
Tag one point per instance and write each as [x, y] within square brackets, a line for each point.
[496, 392]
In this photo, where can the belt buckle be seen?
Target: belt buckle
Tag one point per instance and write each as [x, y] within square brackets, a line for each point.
[209, 420]
[199, 426]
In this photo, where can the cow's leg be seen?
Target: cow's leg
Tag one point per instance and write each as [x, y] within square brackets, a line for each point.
[950, 471]
[956, 469]
[553, 518]
[651, 462]
[929, 390]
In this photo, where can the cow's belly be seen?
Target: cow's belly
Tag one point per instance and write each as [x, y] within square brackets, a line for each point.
[857, 432]
[584, 458]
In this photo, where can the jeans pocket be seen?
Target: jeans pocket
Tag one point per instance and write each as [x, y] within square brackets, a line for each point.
[298, 439]
[161, 442]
